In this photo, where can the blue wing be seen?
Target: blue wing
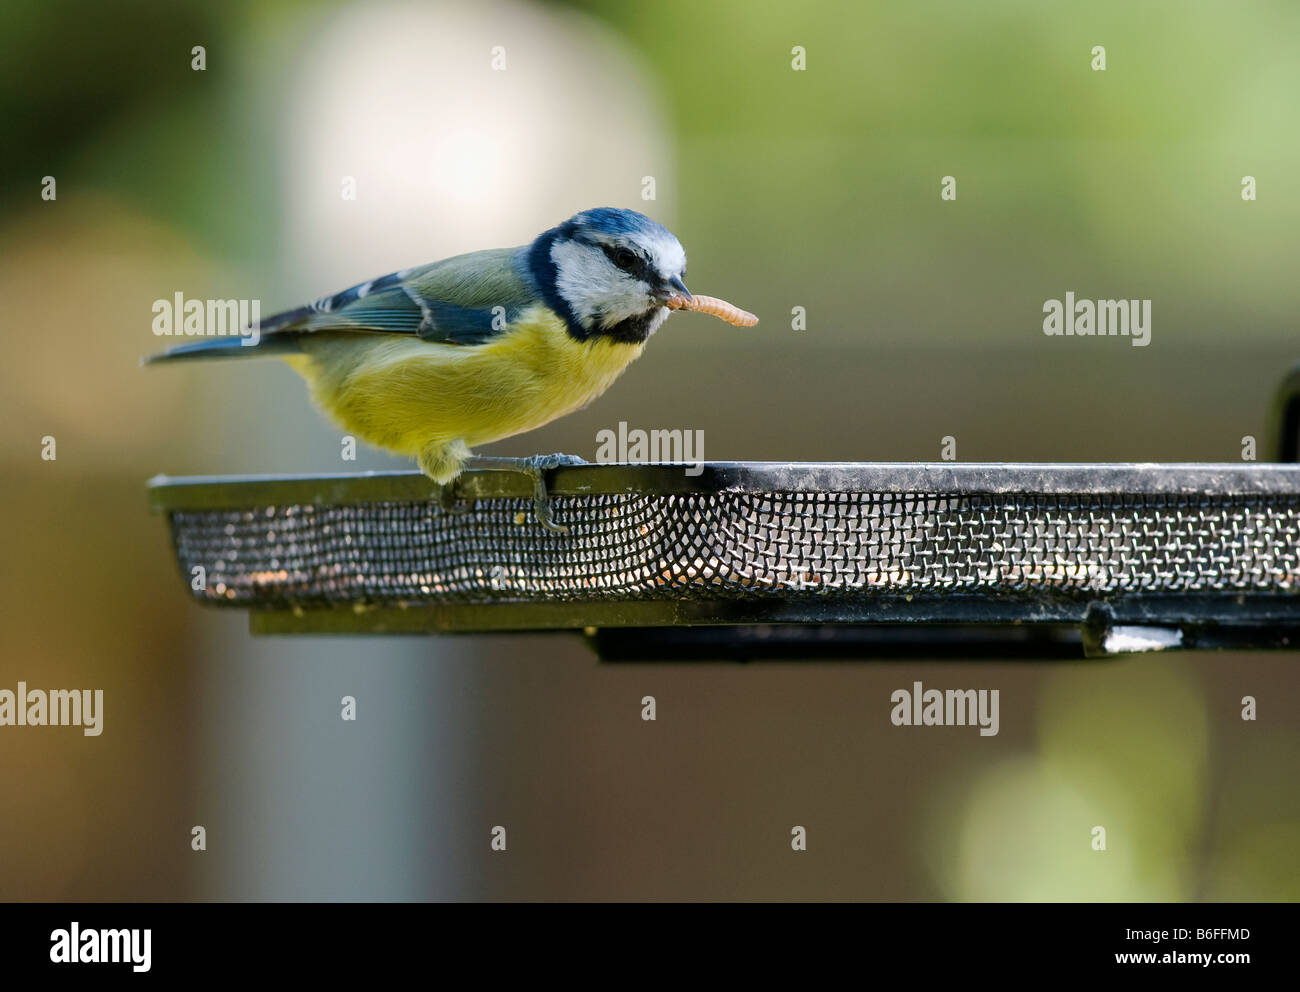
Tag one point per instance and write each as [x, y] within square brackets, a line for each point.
[465, 300]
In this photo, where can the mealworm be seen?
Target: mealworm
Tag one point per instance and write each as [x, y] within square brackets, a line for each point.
[718, 308]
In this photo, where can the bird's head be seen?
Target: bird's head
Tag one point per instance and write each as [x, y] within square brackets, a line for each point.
[609, 272]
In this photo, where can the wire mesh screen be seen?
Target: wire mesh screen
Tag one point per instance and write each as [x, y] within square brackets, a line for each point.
[735, 544]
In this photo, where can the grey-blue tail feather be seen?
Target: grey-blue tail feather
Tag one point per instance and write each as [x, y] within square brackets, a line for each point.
[230, 347]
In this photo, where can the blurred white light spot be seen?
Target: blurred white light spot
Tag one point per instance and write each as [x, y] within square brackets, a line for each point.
[467, 163]
[450, 154]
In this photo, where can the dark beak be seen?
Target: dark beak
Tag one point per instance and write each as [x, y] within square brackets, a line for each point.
[676, 283]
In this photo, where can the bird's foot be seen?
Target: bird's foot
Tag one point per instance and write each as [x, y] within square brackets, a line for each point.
[544, 463]
[535, 467]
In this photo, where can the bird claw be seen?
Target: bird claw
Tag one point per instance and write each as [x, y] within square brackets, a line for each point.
[544, 463]
[535, 467]
[542, 507]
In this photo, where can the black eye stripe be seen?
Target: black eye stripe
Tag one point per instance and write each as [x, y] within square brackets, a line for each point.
[636, 265]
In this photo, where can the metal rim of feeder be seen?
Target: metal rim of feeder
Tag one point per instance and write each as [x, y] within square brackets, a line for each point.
[1143, 556]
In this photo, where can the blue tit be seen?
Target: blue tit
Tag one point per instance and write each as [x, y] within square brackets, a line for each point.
[432, 361]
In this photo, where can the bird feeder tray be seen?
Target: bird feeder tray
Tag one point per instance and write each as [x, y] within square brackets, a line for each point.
[755, 559]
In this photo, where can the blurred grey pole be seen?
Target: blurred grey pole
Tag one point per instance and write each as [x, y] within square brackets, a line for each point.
[401, 138]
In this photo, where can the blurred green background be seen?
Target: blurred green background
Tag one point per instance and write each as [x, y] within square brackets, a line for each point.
[815, 189]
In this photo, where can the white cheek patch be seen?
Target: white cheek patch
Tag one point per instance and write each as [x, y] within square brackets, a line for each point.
[595, 289]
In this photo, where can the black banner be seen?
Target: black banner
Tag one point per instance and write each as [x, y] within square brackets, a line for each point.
[148, 942]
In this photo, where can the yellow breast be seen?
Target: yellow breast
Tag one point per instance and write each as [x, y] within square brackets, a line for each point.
[405, 394]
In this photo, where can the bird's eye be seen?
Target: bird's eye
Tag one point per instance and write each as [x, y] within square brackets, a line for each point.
[624, 258]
